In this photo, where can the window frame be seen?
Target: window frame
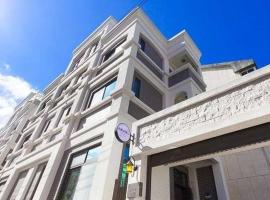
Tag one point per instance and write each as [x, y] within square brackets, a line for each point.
[68, 168]
[136, 85]
[113, 48]
[98, 88]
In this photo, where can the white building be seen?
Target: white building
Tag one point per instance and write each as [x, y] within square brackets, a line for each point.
[60, 144]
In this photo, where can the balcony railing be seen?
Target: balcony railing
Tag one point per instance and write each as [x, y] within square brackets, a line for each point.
[183, 73]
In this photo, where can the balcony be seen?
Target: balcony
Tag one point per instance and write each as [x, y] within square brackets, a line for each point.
[183, 73]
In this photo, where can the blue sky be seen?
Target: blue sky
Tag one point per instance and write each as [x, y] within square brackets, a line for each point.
[37, 37]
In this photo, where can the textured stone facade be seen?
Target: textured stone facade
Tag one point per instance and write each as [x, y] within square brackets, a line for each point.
[220, 107]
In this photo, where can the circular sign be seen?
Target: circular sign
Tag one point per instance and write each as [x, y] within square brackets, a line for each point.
[122, 133]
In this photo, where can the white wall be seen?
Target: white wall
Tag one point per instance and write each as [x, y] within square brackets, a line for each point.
[160, 183]
[248, 174]
[218, 77]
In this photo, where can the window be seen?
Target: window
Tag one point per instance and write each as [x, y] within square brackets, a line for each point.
[2, 184]
[25, 125]
[18, 185]
[46, 125]
[25, 139]
[64, 114]
[142, 44]
[110, 52]
[151, 51]
[34, 183]
[63, 88]
[79, 77]
[93, 48]
[5, 160]
[44, 104]
[136, 86]
[36, 146]
[244, 72]
[18, 138]
[182, 96]
[77, 61]
[98, 95]
[13, 160]
[79, 177]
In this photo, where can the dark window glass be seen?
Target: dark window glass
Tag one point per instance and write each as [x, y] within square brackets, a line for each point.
[46, 125]
[64, 114]
[26, 138]
[25, 125]
[5, 160]
[2, 184]
[44, 104]
[68, 111]
[108, 54]
[113, 49]
[136, 86]
[142, 44]
[63, 88]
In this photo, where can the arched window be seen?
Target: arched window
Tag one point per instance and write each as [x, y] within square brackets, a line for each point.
[182, 96]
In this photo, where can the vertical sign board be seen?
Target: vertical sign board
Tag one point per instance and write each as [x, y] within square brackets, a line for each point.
[123, 135]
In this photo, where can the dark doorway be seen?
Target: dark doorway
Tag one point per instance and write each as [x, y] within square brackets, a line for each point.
[180, 189]
[206, 183]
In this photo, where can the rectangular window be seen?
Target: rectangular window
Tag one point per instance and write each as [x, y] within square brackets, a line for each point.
[98, 95]
[79, 177]
[14, 160]
[63, 88]
[151, 51]
[64, 114]
[112, 50]
[80, 77]
[77, 61]
[2, 184]
[25, 139]
[5, 160]
[136, 87]
[18, 185]
[18, 138]
[142, 44]
[44, 104]
[93, 48]
[25, 125]
[46, 125]
[34, 183]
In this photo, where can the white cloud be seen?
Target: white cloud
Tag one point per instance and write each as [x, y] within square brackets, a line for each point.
[13, 89]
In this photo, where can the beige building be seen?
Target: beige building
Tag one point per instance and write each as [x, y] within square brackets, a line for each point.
[60, 144]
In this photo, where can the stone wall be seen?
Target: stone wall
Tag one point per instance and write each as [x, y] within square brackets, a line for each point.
[213, 109]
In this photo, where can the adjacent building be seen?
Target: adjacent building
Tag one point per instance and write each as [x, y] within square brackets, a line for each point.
[60, 143]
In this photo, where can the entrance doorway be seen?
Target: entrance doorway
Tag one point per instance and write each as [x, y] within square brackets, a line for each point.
[180, 189]
[206, 183]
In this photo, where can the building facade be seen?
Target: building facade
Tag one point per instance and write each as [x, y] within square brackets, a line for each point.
[60, 144]
[215, 145]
